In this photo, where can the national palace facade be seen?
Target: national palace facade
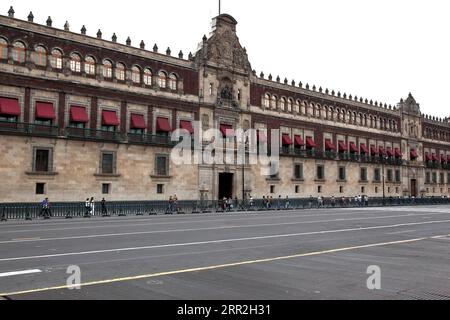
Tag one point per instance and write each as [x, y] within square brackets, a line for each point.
[82, 116]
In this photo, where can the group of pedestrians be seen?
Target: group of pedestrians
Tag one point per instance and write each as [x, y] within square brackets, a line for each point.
[90, 208]
[173, 204]
[279, 204]
[229, 204]
[359, 200]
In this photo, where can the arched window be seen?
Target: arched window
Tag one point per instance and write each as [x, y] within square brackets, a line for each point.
[136, 74]
[56, 59]
[18, 52]
[75, 62]
[89, 65]
[283, 104]
[290, 105]
[107, 69]
[173, 82]
[273, 102]
[120, 71]
[148, 77]
[266, 101]
[3, 49]
[162, 79]
[298, 107]
[39, 56]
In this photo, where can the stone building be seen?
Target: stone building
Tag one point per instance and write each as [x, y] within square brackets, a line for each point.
[83, 116]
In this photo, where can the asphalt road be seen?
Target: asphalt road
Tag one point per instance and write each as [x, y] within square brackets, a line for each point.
[311, 254]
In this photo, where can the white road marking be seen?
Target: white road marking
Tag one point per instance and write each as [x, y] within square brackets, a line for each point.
[19, 273]
[117, 250]
[206, 229]
[401, 232]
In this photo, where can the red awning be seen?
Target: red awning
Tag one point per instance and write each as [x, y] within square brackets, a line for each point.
[261, 137]
[227, 130]
[137, 121]
[343, 147]
[163, 125]
[299, 141]
[373, 150]
[389, 152]
[286, 140]
[364, 149]
[434, 157]
[329, 145]
[381, 151]
[353, 147]
[78, 114]
[414, 154]
[310, 142]
[109, 118]
[9, 107]
[443, 158]
[427, 157]
[44, 110]
[187, 125]
[448, 158]
[398, 153]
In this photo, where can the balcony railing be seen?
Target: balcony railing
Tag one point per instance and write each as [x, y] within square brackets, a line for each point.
[89, 134]
[28, 129]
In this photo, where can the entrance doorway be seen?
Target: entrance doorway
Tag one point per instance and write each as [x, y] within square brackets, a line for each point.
[414, 188]
[225, 185]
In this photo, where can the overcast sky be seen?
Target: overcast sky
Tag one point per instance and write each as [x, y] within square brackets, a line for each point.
[380, 50]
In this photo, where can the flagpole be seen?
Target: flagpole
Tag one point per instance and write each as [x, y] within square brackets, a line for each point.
[219, 7]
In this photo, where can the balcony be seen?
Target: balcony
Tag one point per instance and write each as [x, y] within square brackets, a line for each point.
[28, 129]
[95, 135]
[148, 139]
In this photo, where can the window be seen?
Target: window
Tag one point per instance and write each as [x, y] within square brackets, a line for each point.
[398, 177]
[41, 159]
[363, 190]
[389, 175]
[272, 189]
[341, 189]
[18, 52]
[377, 175]
[106, 187]
[89, 65]
[427, 177]
[40, 188]
[290, 105]
[3, 49]
[56, 59]
[40, 56]
[162, 165]
[319, 189]
[120, 72]
[160, 189]
[107, 69]
[148, 76]
[341, 175]
[298, 171]
[442, 179]
[136, 74]
[162, 79]
[75, 62]
[239, 94]
[283, 104]
[173, 82]
[297, 189]
[273, 102]
[434, 175]
[320, 172]
[448, 178]
[363, 174]
[376, 189]
[266, 101]
[107, 163]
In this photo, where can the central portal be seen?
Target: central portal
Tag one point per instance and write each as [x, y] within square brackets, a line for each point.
[225, 185]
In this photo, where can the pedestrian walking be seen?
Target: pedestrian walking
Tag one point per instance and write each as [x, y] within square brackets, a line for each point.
[319, 202]
[170, 207]
[311, 200]
[45, 207]
[87, 208]
[287, 203]
[92, 207]
[104, 209]
[175, 203]
[279, 202]
[333, 202]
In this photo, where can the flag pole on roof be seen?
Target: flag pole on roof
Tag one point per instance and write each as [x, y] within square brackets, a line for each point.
[220, 7]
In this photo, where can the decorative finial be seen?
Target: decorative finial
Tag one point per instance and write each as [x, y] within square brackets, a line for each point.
[278, 79]
[99, 34]
[49, 22]
[168, 51]
[293, 83]
[142, 45]
[285, 81]
[67, 26]
[83, 29]
[261, 75]
[180, 54]
[270, 77]
[155, 48]
[11, 12]
[31, 17]
[114, 38]
[128, 42]
[205, 38]
[191, 57]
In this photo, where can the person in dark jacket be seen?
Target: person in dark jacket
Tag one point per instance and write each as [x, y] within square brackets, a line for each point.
[104, 209]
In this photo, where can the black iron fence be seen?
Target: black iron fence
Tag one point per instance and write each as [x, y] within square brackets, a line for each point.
[30, 211]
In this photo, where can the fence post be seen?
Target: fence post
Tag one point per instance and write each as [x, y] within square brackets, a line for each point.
[27, 214]
[4, 218]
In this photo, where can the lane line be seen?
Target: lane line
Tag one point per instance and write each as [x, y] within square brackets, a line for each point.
[222, 266]
[204, 229]
[19, 273]
[117, 250]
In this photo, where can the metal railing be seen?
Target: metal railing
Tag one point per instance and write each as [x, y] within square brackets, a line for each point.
[23, 211]
[28, 129]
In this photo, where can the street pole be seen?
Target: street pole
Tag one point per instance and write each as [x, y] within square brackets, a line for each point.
[383, 168]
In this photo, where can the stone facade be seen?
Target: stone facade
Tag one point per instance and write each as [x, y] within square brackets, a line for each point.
[216, 86]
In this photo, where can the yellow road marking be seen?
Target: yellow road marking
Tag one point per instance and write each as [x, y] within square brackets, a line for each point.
[236, 264]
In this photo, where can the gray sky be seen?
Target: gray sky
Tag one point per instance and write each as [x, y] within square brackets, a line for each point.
[380, 50]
